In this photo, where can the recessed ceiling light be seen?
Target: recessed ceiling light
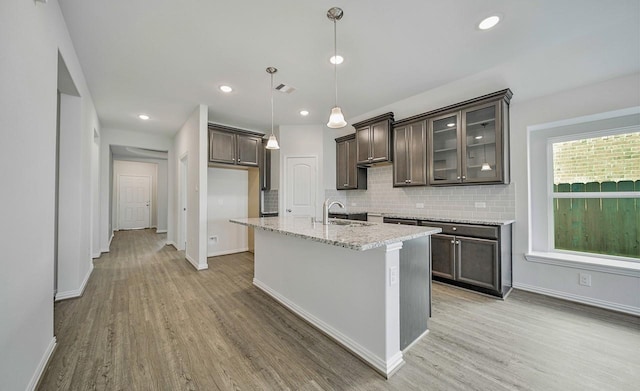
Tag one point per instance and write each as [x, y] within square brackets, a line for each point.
[336, 59]
[489, 22]
[143, 116]
[226, 89]
[451, 125]
[304, 113]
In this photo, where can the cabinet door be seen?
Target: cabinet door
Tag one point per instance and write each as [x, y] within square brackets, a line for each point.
[401, 160]
[477, 262]
[352, 167]
[482, 144]
[380, 142]
[417, 152]
[443, 256]
[342, 170]
[222, 147]
[248, 150]
[363, 143]
[444, 166]
[265, 168]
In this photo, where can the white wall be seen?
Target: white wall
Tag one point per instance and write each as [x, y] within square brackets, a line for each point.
[228, 198]
[31, 34]
[305, 140]
[128, 138]
[608, 290]
[134, 168]
[192, 141]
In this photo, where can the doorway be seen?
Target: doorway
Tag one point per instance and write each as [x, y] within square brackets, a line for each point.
[134, 202]
[182, 202]
[300, 194]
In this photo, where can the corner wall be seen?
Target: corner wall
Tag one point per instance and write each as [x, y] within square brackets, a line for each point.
[191, 140]
[31, 36]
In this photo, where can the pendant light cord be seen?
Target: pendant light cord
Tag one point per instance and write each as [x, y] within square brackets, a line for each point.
[335, 58]
[271, 103]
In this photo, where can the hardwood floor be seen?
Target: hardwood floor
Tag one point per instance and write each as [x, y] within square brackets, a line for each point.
[149, 321]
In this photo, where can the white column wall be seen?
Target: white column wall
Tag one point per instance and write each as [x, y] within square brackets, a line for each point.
[31, 35]
[191, 139]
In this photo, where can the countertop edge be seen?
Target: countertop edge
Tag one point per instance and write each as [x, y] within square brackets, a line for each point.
[364, 247]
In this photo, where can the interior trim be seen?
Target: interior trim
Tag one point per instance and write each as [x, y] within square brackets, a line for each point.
[42, 365]
[603, 265]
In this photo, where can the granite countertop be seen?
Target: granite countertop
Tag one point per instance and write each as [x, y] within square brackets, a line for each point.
[358, 235]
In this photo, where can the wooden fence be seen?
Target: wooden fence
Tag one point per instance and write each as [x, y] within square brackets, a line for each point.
[598, 225]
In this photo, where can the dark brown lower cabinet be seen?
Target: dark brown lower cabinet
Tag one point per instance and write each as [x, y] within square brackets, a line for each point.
[472, 256]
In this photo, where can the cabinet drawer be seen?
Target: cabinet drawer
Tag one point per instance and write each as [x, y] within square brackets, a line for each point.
[477, 231]
[400, 221]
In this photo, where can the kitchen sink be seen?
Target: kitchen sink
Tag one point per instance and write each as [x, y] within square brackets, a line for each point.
[349, 223]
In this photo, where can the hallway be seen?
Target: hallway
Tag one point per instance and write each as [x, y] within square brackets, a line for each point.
[149, 321]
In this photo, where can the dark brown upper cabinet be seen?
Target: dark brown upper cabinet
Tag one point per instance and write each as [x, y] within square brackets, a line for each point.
[234, 146]
[410, 153]
[468, 143]
[348, 174]
[265, 169]
[373, 139]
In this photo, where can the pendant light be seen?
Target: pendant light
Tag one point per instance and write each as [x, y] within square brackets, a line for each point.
[336, 119]
[273, 142]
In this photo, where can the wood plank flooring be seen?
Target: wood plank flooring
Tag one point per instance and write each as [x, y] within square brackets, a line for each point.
[149, 321]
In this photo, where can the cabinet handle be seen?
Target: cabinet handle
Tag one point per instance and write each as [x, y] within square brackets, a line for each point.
[238, 159]
[408, 180]
[345, 185]
[464, 177]
[453, 242]
[457, 242]
[454, 228]
[458, 178]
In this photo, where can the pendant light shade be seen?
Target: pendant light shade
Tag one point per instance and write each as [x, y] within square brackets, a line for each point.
[273, 141]
[336, 118]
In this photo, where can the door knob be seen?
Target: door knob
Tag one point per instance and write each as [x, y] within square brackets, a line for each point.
[289, 210]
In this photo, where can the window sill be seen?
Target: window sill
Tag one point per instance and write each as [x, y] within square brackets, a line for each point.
[612, 266]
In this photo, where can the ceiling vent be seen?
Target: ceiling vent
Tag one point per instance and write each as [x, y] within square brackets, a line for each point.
[285, 88]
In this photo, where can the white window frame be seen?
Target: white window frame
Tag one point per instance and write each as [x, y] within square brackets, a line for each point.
[540, 139]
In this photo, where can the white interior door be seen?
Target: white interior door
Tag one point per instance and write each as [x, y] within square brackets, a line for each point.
[300, 186]
[134, 202]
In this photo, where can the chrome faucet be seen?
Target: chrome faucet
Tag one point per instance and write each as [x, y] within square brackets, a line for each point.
[325, 209]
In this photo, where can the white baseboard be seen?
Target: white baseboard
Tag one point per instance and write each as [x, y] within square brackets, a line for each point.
[195, 264]
[161, 231]
[385, 368]
[227, 252]
[42, 365]
[172, 243]
[76, 292]
[579, 299]
[96, 255]
[415, 341]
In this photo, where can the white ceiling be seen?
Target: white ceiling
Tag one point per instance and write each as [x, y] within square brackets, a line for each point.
[165, 57]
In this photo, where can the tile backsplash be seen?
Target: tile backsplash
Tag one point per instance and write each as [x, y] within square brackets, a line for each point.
[270, 201]
[449, 202]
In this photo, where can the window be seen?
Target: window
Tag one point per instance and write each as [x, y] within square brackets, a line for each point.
[584, 202]
[596, 187]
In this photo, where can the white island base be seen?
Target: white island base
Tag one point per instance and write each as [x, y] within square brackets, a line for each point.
[352, 296]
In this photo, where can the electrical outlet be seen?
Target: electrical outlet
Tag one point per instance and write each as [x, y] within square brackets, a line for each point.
[585, 279]
[393, 275]
[420, 205]
[481, 204]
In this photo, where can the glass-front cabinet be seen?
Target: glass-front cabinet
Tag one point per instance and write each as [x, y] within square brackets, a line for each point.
[470, 145]
[445, 146]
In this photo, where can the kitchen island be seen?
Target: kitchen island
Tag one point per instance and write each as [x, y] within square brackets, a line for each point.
[366, 285]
